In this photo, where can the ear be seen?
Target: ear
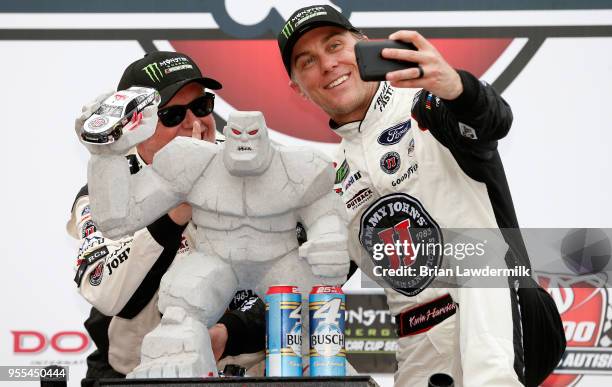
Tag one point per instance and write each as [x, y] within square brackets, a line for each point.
[295, 87]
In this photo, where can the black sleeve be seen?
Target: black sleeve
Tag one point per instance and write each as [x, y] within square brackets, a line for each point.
[168, 234]
[246, 326]
[97, 362]
[469, 127]
[84, 191]
[475, 120]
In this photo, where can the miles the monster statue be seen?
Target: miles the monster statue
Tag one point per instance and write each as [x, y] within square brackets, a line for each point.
[247, 196]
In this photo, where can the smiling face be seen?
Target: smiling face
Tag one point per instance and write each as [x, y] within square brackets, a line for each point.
[324, 70]
[247, 149]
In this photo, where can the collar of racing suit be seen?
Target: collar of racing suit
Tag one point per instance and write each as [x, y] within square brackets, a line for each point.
[354, 128]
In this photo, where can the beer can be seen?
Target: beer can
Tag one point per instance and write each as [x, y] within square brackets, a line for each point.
[327, 305]
[283, 331]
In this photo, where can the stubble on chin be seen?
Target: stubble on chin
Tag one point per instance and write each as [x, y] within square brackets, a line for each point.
[337, 111]
[345, 112]
[354, 107]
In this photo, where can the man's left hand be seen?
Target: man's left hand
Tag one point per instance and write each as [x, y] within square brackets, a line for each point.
[434, 74]
[218, 339]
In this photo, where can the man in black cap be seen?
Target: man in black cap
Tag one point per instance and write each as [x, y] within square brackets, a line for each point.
[121, 278]
[419, 151]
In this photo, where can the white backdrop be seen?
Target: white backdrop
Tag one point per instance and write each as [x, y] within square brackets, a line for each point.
[556, 157]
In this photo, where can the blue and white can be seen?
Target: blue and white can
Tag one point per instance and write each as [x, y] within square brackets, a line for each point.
[327, 305]
[283, 331]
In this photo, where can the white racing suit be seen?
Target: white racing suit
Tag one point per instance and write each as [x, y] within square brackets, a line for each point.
[120, 278]
[438, 161]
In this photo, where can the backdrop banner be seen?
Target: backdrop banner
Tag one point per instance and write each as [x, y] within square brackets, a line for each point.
[552, 65]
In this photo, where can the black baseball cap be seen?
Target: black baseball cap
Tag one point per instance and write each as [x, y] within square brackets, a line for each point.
[165, 71]
[302, 21]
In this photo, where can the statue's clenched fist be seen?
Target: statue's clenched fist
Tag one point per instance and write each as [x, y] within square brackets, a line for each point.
[328, 257]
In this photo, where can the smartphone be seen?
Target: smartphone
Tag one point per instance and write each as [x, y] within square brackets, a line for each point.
[372, 66]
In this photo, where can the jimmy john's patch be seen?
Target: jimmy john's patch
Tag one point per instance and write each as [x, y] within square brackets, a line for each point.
[397, 232]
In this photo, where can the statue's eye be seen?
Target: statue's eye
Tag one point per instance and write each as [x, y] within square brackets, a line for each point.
[236, 132]
[253, 132]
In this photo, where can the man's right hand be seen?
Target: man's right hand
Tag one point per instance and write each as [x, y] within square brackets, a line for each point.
[139, 129]
[218, 339]
[201, 132]
[434, 74]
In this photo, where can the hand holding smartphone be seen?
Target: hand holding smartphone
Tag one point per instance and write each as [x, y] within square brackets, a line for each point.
[372, 66]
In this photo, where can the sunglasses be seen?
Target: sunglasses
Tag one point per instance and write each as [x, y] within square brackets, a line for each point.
[200, 107]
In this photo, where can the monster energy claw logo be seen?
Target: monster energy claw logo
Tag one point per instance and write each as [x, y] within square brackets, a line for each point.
[153, 72]
[287, 30]
[342, 172]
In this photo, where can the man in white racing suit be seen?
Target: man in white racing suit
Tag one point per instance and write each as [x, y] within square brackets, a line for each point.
[120, 278]
[419, 151]
[123, 290]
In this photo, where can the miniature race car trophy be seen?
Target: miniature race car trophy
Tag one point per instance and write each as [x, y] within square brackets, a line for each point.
[247, 197]
[119, 112]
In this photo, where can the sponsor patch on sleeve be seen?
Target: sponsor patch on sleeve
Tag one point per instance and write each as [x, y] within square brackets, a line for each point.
[342, 172]
[467, 131]
[95, 277]
[87, 229]
[240, 298]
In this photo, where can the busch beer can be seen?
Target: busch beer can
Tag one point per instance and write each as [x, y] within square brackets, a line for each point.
[283, 331]
[326, 312]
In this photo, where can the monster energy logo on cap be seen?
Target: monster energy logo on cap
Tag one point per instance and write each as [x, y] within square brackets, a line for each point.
[300, 17]
[304, 19]
[307, 14]
[154, 72]
[287, 30]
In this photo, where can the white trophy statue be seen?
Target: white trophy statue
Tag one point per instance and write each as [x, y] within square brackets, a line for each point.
[247, 197]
